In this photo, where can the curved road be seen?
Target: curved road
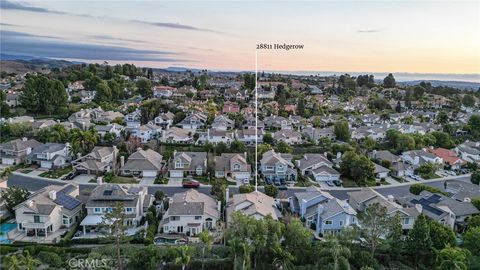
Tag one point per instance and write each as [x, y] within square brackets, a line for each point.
[33, 183]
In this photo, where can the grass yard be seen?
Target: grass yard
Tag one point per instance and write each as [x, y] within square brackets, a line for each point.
[121, 180]
[161, 181]
[347, 182]
[57, 173]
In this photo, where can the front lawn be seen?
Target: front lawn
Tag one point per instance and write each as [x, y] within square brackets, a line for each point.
[57, 173]
[120, 180]
[161, 181]
[347, 182]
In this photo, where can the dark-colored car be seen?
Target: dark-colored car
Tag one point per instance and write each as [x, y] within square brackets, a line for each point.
[71, 175]
[191, 184]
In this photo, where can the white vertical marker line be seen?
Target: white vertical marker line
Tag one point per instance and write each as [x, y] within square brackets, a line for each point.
[256, 125]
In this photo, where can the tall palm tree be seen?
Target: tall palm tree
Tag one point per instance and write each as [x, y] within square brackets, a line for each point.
[452, 258]
[184, 256]
[240, 250]
[207, 240]
[30, 262]
[283, 259]
[336, 253]
[13, 262]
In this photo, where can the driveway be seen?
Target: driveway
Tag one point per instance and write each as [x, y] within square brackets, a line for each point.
[147, 181]
[174, 181]
[36, 172]
[83, 178]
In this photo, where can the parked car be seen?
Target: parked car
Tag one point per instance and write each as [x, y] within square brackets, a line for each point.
[71, 175]
[191, 184]
[330, 183]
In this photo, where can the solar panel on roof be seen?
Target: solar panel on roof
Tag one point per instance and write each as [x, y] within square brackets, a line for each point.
[107, 192]
[67, 189]
[67, 201]
[426, 206]
[435, 198]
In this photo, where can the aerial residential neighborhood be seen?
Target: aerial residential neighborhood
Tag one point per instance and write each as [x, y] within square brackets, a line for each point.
[146, 138]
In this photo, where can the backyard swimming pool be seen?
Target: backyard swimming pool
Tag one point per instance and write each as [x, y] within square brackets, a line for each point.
[4, 229]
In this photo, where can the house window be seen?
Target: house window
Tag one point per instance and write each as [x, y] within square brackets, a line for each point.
[354, 220]
[129, 209]
[109, 209]
[328, 222]
[178, 164]
[236, 167]
[174, 218]
[406, 221]
[97, 210]
[36, 219]
[341, 223]
[280, 168]
[198, 217]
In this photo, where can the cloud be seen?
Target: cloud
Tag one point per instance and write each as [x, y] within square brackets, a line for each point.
[369, 31]
[43, 46]
[111, 38]
[4, 4]
[175, 26]
[17, 6]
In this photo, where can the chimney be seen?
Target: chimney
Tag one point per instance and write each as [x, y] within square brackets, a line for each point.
[219, 206]
[390, 198]
[24, 139]
[419, 207]
[79, 155]
[122, 161]
[227, 195]
[52, 194]
[30, 203]
[100, 180]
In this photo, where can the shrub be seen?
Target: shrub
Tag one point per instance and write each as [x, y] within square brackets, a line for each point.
[418, 188]
[50, 258]
[246, 189]
[271, 190]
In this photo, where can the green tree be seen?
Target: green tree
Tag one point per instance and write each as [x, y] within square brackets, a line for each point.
[472, 240]
[418, 92]
[475, 177]
[144, 87]
[419, 242]
[389, 81]
[13, 196]
[267, 138]
[184, 256]
[246, 189]
[342, 131]
[238, 147]
[473, 126]
[452, 258]
[374, 225]
[334, 255]
[468, 101]
[298, 239]
[395, 235]
[271, 190]
[283, 147]
[441, 235]
[207, 239]
[114, 222]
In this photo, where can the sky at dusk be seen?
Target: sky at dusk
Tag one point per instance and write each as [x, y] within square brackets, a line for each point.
[356, 36]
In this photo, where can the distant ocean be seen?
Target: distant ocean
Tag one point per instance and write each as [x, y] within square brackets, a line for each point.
[399, 76]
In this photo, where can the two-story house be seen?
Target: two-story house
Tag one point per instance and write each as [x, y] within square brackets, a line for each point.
[287, 135]
[420, 157]
[48, 210]
[194, 121]
[190, 213]
[102, 159]
[176, 135]
[143, 163]
[277, 167]
[114, 129]
[165, 120]
[250, 136]
[222, 122]
[232, 165]
[255, 204]
[188, 163]
[333, 216]
[216, 136]
[50, 155]
[133, 119]
[318, 167]
[305, 203]
[15, 152]
[102, 199]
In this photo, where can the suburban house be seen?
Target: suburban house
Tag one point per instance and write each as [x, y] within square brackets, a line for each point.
[277, 167]
[164, 119]
[216, 136]
[449, 157]
[188, 163]
[384, 155]
[232, 165]
[420, 157]
[277, 122]
[441, 208]
[305, 203]
[135, 201]
[316, 133]
[469, 151]
[133, 119]
[50, 155]
[380, 172]
[102, 159]
[48, 210]
[190, 213]
[143, 163]
[360, 200]
[16, 151]
[163, 91]
[333, 216]
[287, 135]
[318, 167]
[176, 135]
[147, 132]
[193, 121]
[254, 204]
[222, 122]
[114, 129]
[248, 136]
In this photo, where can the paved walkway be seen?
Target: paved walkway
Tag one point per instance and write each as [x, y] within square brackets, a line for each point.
[175, 182]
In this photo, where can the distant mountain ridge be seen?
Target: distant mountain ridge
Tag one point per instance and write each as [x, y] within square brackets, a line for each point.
[474, 86]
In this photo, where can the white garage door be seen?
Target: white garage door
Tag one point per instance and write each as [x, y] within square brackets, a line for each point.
[176, 173]
[149, 173]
